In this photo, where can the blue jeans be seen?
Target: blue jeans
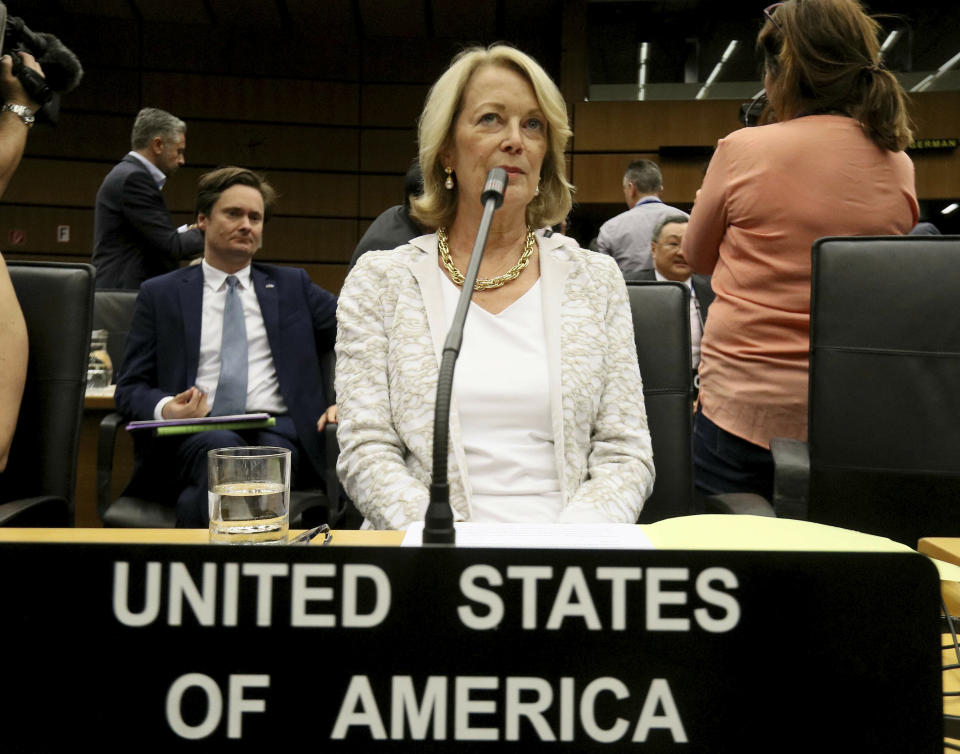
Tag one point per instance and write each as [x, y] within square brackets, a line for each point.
[723, 462]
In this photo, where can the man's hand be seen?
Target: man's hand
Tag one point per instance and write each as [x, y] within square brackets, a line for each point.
[190, 404]
[11, 90]
[329, 417]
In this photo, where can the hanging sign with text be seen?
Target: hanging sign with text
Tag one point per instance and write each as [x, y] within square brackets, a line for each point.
[195, 648]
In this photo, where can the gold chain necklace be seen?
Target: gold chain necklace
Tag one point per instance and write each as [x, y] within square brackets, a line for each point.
[486, 284]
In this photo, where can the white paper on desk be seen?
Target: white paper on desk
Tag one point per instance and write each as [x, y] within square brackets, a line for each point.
[574, 536]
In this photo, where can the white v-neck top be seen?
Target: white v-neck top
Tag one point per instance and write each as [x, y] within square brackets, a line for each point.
[501, 392]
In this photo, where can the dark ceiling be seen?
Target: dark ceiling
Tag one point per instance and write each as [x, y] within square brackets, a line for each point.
[687, 37]
[678, 30]
[355, 18]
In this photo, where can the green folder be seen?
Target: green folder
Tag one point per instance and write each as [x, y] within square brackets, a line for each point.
[189, 429]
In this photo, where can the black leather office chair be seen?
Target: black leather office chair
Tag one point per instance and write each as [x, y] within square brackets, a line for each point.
[113, 311]
[37, 488]
[661, 325]
[884, 433]
[884, 411]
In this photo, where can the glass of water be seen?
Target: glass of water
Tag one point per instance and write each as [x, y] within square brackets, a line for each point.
[99, 366]
[249, 495]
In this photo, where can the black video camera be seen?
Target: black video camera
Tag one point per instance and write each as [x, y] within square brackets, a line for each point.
[62, 70]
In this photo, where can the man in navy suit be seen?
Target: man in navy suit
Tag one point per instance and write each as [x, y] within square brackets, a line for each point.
[173, 367]
[669, 264]
[133, 236]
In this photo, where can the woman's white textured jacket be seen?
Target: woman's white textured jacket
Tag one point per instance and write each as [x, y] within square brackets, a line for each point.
[391, 328]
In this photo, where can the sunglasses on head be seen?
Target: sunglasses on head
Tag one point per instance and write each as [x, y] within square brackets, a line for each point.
[769, 11]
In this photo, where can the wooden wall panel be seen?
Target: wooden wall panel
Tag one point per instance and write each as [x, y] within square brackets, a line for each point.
[387, 151]
[335, 17]
[180, 190]
[573, 62]
[598, 177]
[99, 43]
[242, 98]
[305, 240]
[184, 11]
[84, 136]
[272, 145]
[56, 182]
[332, 122]
[396, 105]
[681, 179]
[621, 129]
[327, 194]
[936, 115]
[40, 226]
[378, 192]
[646, 126]
[407, 18]
[28, 256]
[450, 19]
[183, 218]
[106, 90]
[312, 194]
[223, 48]
[406, 60]
[937, 174]
[327, 276]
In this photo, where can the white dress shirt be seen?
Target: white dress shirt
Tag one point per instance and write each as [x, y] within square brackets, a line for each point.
[263, 387]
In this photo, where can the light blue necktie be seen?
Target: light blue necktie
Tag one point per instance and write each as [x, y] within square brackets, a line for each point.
[232, 388]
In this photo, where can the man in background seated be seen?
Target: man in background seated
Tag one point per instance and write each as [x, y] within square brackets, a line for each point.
[228, 336]
[627, 236]
[16, 119]
[394, 226]
[133, 236]
[669, 264]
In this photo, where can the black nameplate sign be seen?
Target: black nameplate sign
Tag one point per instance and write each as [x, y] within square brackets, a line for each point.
[214, 649]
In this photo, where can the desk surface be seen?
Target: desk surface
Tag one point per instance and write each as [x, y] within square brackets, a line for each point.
[180, 536]
[100, 398]
[941, 548]
[707, 532]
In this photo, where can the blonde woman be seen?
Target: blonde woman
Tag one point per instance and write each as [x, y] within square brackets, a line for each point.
[548, 422]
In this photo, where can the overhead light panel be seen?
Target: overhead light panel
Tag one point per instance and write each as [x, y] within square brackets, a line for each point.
[949, 208]
[643, 54]
[890, 41]
[925, 84]
[717, 68]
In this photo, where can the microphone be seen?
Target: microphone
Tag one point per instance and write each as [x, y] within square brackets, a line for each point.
[438, 521]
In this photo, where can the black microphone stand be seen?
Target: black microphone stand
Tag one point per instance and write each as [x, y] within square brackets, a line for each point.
[438, 522]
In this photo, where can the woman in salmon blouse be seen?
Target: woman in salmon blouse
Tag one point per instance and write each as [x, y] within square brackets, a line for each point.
[831, 165]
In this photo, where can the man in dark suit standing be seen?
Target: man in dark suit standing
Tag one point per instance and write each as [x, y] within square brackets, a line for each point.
[134, 238]
[669, 264]
[228, 336]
